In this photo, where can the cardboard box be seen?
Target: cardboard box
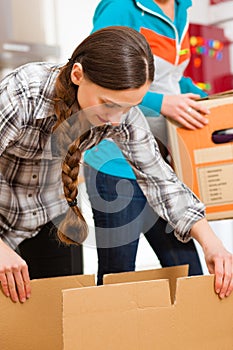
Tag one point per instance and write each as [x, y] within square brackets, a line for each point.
[37, 324]
[146, 315]
[207, 167]
[145, 310]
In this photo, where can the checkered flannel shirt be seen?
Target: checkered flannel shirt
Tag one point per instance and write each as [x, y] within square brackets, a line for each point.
[31, 191]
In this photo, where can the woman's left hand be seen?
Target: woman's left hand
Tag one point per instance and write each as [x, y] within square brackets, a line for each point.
[219, 261]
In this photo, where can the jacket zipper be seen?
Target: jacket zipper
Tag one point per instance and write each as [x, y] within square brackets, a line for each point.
[178, 45]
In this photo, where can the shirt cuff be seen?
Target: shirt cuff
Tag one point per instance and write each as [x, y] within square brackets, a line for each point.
[186, 222]
[153, 103]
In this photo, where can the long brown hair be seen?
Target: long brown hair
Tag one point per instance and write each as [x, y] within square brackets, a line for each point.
[116, 58]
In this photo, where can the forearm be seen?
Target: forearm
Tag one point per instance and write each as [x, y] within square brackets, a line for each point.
[204, 235]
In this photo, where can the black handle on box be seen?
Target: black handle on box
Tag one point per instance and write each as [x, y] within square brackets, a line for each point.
[222, 136]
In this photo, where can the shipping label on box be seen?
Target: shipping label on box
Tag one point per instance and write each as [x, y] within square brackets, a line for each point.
[204, 165]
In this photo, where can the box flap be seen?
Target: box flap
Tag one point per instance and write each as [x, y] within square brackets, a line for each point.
[218, 95]
[37, 324]
[102, 317]
[138, 316]
[217, 100]
[170, 273]
[209, 322]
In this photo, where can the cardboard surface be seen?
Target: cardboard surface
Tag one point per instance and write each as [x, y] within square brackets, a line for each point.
[145, 310]
[141, 316]
[37, 324]
[170, 273]
[207, 167]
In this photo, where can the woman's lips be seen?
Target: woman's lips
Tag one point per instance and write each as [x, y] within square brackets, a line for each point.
[101, 119]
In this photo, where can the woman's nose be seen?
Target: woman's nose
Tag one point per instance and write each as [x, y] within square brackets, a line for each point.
[113, 117]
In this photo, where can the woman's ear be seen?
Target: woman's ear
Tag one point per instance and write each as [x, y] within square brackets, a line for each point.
[77, 73]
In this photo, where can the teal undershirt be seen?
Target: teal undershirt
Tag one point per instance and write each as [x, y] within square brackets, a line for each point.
[108, 158]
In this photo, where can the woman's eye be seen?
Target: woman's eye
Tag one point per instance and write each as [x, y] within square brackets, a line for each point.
[108, 105]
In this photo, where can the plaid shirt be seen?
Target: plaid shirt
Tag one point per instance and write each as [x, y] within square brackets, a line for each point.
[31, 191]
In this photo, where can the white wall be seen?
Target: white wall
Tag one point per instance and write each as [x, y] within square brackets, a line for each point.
[31, 21]
[204, 13]
[74, 23]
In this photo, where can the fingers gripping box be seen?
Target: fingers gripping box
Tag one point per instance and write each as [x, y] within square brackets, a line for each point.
[144, 310]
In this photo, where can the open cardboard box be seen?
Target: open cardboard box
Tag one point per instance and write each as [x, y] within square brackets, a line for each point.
[143, 310]
[207, 167]
[37, 324]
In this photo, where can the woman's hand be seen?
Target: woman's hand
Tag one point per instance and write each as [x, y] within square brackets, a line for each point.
[219, 261]
[14, 276]
[185, 110]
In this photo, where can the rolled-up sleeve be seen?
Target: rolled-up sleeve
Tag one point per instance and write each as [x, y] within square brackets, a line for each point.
[167, 195]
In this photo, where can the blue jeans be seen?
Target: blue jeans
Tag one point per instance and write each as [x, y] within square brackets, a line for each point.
[121, 213]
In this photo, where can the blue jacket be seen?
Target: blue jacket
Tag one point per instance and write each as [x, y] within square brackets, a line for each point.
[169, 42]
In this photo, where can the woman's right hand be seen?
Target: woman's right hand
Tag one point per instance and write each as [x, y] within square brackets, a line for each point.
[14, 275]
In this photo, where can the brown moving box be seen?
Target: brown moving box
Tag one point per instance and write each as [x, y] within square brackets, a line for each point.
[147, 315]
[144, 310]
[37, 324]
[207, 167]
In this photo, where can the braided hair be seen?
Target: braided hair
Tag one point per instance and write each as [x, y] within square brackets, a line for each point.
[115, 58]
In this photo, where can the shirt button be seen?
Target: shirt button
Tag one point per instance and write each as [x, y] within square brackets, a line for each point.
[34, 176]
[29, 195]
[34, 213]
